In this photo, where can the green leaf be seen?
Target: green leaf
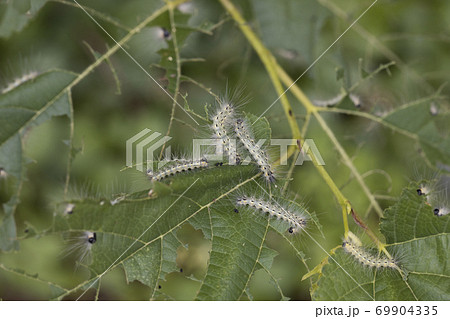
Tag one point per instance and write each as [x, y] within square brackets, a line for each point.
[420, 242]
[267, 256]
[413, 119]
[417, 119]
[27, 105]
[55, 289]
[423, 242]
[171, 54]
[139, 232]
[17, 15]
[290, 24]
[237, 245]
[175, 42]
[160, 254]
[344, 279]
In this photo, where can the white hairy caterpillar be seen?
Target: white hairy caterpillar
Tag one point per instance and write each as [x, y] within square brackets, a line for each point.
[112, 195]
[258, 154]
[427, 188]
[356, 100]
[440, 203]
[3, 173]
[82, 245]
[180, 167]
[434, 108]
[427, 180]
[435, 190]
[221, 121]
[441, 210]
[118, 199]
[187, 8]
[296, 220]
[19, 81]
[352, 245]
[68, 210]
[163, 33]
[330, 102]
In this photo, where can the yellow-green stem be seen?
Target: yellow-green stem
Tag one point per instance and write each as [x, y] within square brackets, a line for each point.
[297, 92]
[272, 69]
[268, 61]
[178, 68]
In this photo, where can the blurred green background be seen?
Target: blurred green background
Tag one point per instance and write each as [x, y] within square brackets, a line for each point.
[415, 34]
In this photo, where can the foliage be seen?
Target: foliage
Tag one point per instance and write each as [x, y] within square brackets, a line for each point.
[419, 240]
[350, 96]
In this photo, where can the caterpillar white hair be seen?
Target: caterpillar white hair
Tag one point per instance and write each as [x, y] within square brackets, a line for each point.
[353, 246]
[19, 81]
[356, 100]
[428, 181]
[330, 102]
[441, 210]
[68, 210]
[440, 203]
[82, 246]
[113, 194]
[296, 219]
[244, 134]
[180, 166]
[222, 120]
[427, 188]
[435, 189]
[3, 173]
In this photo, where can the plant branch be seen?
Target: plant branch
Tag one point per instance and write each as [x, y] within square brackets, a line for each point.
[70, 145]
[297, 92]
[269, 62]
[178, 68]
[376, 43]
[273, 70]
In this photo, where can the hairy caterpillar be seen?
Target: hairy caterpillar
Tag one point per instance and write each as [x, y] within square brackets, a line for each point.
[356, 100]
[434, 108]
[186, 8]
[258, 154]
[428, 181]
[435, 191]
[82, 246]
[440, 204]
[221, 120]
[117, 200]
[426, 188]
[19, 81]
[182, 166]
[164, 34]
[68, 210]
[91, 237]
[441, 210]
[352, 245]
[3, 173]
[113, 195]
[330, 102]
[296, 220]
